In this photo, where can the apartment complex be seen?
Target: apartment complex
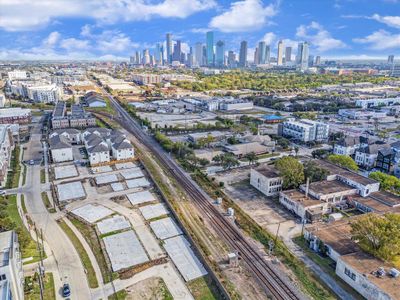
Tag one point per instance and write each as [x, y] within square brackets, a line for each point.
[77, 118]
[6, 146]
[11, 273]
[145, 79]
[305, 130]
[15, 115]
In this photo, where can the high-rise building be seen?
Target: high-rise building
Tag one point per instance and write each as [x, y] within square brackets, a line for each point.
[390, 59]
[256, 56]
[198, 54]
[158, 57]
[310, 60]
[267, 54]
[243, 54]
[280, 53]
[132, 60]
[231, 59]
[137, 58]
[146, 57]
[169, 48]
[302, 55]
[177, 55]
[288, 54]
[210, 47]
[220, 54]
[318, 60]
[204, 55]
[261, 53]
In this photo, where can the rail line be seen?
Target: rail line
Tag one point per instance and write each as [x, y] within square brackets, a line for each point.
[272, 282]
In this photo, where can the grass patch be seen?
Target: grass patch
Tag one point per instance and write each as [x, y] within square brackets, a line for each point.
[267, 155]
[200, 289]
[120, 295]
[25, 211]
[327, 264]
[90, 236]
[42, 176]
[166, 294]
[15, 169]
[309, 281]
[87, 264]
[11, 220]
[32, 288]
[24, 174]
[46, 201]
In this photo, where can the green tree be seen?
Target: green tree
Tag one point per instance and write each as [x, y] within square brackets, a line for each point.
[314, 172]
[291, 170]
[387, 182]
[226, 160]
[251, 157]
[378, 235]
[344, 161]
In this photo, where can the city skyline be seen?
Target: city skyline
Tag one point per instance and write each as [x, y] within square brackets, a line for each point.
[115, 30]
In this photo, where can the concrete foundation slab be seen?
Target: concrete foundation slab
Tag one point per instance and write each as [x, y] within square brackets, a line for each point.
[70, 191]
[153, 211]
[92, 213]
[165, 228]
[132, 173]
[117, 186]
[65, 172]
[113, 224]
[101, 169]
[135, 183]
[104, 179]
[178, 248]
[127, 165]
[140, 197]
[124, 250]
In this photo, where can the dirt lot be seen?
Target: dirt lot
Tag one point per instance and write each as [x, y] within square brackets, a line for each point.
[266, 211]
[149, 289]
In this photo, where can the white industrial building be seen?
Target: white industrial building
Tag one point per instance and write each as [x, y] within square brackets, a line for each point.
[11, 273]
[266, 180]
[357, 114]
[305, 130]
[368, 103]
[145, 79]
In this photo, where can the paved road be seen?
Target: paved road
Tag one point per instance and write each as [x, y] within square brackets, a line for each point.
[68, 261]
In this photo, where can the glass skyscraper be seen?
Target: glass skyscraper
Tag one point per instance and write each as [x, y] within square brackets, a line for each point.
[261, 53]
[243, 54]
[220, 54]
[169, 48]
[210, 47]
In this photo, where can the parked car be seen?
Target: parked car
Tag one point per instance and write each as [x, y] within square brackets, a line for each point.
[66, 291]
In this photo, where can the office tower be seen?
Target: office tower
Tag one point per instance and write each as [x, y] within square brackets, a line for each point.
[152, 60]
[132, 60]
[177, 51]
[243, 54]
[210, 47]
[198, 54]
[318, 60]
[256, 57]
[137, 58]
[190, 58]
[288, 54]
[158, 54]
[146, 57]
[280, 53]
[204, 56]
[302, 55]
[231, 59]
[390, 59]
[261, 52]
[267, 54]
[220, 54]
[310, 60]
[169, 48]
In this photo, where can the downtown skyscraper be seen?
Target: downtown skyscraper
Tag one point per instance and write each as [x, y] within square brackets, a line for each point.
[220, 54]
[280, 53]
[243, 54]
[261, 52]
[169, 47]
[302, 55]
[210, 48]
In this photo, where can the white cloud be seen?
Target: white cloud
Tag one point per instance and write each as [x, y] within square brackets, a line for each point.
[392, 21]
[27, 15]
[380, 40]
[52, 39]
[269, 38]
[114, 41]
[74, 44]
[319, 37]
[242, 16]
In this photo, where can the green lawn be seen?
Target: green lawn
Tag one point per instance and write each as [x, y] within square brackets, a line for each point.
[15, 169]
[28, 245]
[32, 288]
[120, 295]
[90, 236]
[42, 176]
[47, 203]
[201, 290]
[87, 264]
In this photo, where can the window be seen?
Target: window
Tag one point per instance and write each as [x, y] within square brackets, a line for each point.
[350, 274]
[2, 277]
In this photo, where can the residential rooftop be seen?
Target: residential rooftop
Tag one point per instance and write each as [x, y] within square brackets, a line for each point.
[300, 197]
[329, 187]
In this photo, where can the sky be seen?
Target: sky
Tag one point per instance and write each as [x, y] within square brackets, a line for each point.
[115, 29]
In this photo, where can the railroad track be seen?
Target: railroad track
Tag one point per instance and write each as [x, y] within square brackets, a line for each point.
[274, 284]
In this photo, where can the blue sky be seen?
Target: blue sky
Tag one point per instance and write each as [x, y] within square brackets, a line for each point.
[115, 29]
